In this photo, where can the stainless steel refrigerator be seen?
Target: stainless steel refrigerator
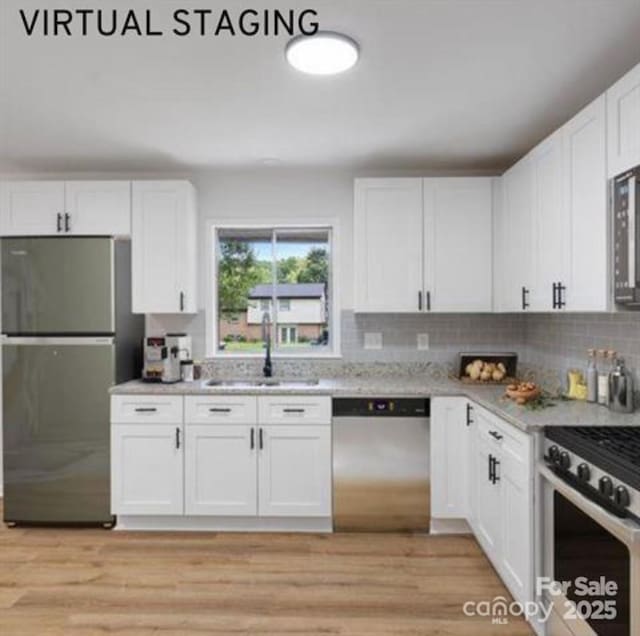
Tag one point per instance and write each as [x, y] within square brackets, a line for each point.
[68, 335]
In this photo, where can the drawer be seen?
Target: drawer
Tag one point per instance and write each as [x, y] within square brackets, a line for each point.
[156, 409]
[221, 409]
[294, 409]
[503, 434]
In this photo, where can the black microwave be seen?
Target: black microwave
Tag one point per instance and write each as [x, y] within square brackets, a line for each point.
[626, 236]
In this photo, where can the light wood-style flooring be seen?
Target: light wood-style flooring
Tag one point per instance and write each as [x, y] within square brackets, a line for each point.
[81, 582]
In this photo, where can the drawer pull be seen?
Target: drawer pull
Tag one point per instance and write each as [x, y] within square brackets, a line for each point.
[252, 443]
[293, 410]
[261, 439]
[218, 409]
[146, 409]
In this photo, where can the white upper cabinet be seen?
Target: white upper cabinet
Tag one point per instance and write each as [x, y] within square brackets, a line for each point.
[623, 128]
[414, 240]
[458, 244]
[388, 226]
[46, 208]
[164, 247]
[101, 208]
[29, 208]
[585, 205]
[550, 229]
[514, 244]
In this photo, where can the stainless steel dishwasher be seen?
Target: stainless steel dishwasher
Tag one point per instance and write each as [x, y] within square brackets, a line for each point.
[381, 464]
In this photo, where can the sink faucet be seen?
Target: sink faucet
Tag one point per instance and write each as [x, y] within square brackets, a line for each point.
[267, 370]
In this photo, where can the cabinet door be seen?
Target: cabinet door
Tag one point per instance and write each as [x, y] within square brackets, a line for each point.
[388, 226]
[517, 249]
[449, 458]
[458, 244]
[294, 471]
[585, 193]
[221, 470]
[516, 498]
[101, 208]
[487, 507]
[163, 247]
[623, 128]
[29, 208]
[550, 231]
[146, 469]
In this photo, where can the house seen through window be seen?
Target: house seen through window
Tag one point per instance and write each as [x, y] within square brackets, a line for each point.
[274, 282]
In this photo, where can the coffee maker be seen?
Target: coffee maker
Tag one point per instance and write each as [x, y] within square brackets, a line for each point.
[162, 357]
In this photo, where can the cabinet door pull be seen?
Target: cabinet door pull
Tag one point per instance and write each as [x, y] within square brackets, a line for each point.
[59, 222]
[525, 298]
[181, 301]
[146, 409]
[428, 301]
[495, 435]
[177, 438]
[260, 439]
[469, 411]
[561, 299]
[490, 458]
[67, 220]
[288, 410]
[253, 438]
[496, 477]
[419, 301]
[555, 296]
[219, 409]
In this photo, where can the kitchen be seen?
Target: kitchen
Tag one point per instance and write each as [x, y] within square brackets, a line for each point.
[269, 365]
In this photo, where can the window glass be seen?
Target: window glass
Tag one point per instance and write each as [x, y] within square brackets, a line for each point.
[273, 281]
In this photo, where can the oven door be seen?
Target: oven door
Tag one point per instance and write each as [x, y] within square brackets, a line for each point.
[584, 544]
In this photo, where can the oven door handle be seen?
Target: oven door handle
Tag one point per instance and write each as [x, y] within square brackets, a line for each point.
[631, 237]
[627, 530]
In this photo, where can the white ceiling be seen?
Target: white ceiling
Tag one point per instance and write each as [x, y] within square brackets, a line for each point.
[442, 84]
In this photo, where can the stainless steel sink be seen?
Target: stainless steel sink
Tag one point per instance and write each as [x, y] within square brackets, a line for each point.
[266, 382]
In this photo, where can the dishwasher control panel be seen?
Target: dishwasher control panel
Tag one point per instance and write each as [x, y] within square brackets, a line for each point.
[381, 407]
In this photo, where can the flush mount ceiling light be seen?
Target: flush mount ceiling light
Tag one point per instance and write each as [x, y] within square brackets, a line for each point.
[324, 53]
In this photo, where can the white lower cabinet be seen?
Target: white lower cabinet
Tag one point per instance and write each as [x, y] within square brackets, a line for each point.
[486, 522]
[147, 469]
[294, 471]
[221, 460]
[451, 420]
[499, 485]
[220, 470]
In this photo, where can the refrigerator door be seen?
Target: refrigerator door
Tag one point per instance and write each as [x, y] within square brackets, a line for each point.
[57, 286]
[56, 429]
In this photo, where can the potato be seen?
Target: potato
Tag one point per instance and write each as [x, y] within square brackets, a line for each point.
[485, 375]
[478, 362]
[502, 367]
[468, 369]
[497, 375]
[475, 373]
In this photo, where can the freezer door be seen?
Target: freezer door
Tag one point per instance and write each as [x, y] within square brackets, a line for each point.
[57, 286]
[56, 430]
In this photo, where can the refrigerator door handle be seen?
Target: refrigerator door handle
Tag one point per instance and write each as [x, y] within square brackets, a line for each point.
[57, 340]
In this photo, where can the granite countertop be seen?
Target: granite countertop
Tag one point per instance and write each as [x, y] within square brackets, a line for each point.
[562, 413]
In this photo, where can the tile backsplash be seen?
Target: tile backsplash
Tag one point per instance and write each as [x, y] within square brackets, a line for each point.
[557, 342]
[551, 343]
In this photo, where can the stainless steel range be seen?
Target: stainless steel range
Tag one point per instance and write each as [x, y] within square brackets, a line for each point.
[591, 529]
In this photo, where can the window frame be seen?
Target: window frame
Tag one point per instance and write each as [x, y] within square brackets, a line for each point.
[331, 225]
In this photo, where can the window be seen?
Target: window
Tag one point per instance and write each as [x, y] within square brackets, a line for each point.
[276, 282]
